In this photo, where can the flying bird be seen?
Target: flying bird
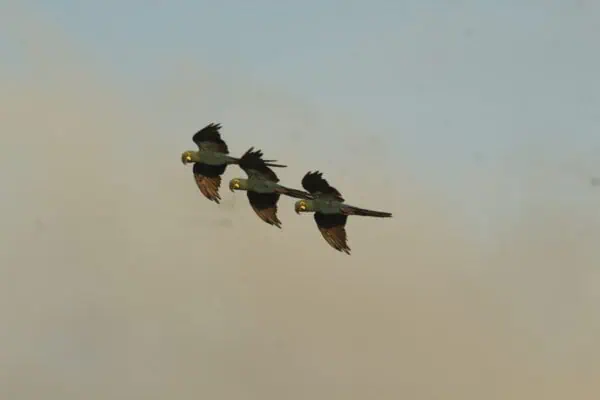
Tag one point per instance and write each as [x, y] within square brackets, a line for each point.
[262, 187]
[330, 210]
[210, 160]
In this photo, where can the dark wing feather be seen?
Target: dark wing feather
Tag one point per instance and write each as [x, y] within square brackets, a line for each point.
[313, 182]
[265, 206]
[208, 179]
[252, 163]
[333, 229]
[209, 138]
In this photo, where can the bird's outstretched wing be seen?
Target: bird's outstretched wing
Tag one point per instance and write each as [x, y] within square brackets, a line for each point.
[333, 229]
[208, 179]
[252, 163]
[209, 138]
[265, 206]
[314, 183]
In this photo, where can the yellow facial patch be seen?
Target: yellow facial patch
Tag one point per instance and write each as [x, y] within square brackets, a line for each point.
[234, 184]
[186, 157]
[302, 206]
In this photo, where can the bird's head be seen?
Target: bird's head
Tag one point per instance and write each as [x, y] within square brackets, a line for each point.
[187, 157]
[238, 184]
[303, 206]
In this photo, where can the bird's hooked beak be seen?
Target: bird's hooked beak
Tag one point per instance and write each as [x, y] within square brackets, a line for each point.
[234, 184]
[300, 207]
[186, 158]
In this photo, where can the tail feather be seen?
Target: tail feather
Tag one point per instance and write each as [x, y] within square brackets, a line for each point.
[271, 163]
[295, 193]
[268, 163]
[351, 210]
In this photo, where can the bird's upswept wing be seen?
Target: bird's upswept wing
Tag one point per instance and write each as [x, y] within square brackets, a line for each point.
[208, 179]
[333, 229]
[265, 206]
[252, 163]
[314, 183]
[209, 138]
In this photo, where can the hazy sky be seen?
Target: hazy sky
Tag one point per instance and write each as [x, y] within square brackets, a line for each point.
[456, 89]
[475, 123]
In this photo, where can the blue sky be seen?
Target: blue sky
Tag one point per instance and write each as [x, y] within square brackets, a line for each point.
[465, 91]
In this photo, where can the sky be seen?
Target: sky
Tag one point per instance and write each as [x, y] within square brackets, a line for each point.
[474, 123]
[458, 89]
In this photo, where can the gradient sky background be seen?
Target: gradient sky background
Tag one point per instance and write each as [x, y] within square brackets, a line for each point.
[455, 89]
[479, 124]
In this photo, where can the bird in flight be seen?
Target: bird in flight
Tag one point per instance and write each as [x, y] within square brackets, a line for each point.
[262, 187]
[330, 210]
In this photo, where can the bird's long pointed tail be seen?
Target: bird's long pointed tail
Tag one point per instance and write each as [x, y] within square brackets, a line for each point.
[233, 160]
[351, 210]
[295, 193]
[268, 163]
[271, 163]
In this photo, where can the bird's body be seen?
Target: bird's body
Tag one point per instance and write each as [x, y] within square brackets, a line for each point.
[213, 158]
[330, 210]
[262, 187]
[260, 184]
[327, 205]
